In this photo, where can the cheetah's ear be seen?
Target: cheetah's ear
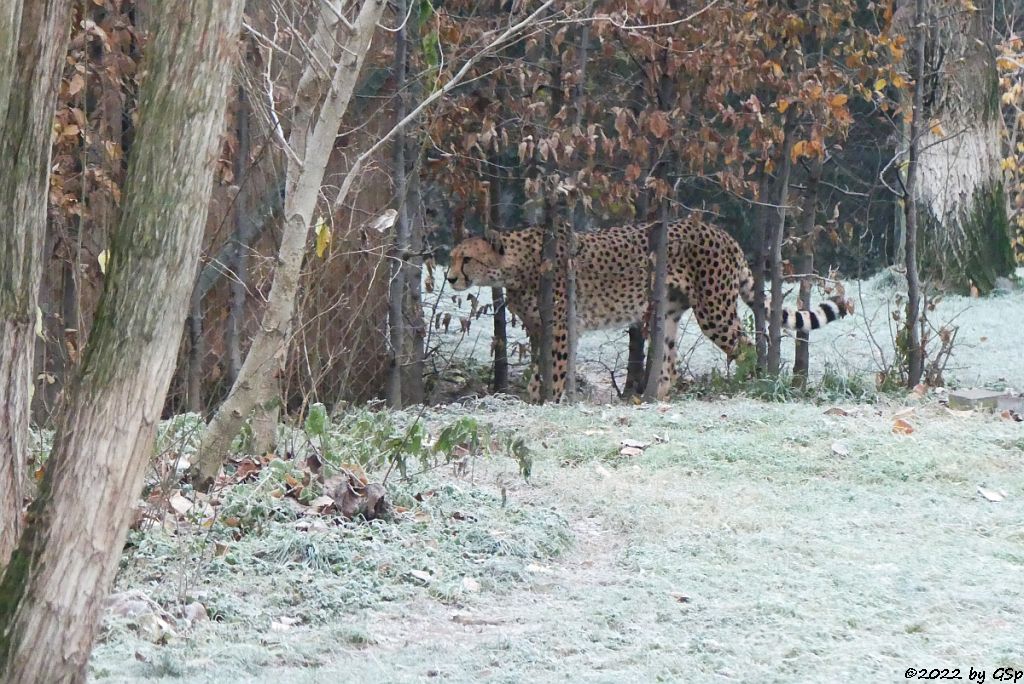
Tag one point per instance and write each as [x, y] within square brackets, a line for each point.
[494, 240]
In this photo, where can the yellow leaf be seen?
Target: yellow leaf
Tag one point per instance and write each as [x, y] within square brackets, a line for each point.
[937, 128]
[838, 100]
[898, 81]
[323, 237]
[880, 83]
[103, 257]
[782, 105]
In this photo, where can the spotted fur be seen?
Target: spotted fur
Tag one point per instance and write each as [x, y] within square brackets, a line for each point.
[707, 272]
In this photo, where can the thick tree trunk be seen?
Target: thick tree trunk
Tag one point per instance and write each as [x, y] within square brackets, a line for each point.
[964, 230]
[778, 230]
[805, 265]
[319, 107]
[910, 338]
[53, 589]
[33, 40]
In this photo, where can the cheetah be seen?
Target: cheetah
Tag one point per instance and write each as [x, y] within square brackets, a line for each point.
[706, 272]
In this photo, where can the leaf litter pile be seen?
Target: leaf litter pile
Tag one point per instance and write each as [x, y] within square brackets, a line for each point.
[733, 539]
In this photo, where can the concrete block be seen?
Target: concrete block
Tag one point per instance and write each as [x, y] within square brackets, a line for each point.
[989, 400]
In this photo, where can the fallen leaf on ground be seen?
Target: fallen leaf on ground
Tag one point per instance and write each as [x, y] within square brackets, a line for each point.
[840, 449]
[902, 427]
[993, 495]
[836, 411]
[421, 575]
[321, 503]
[179, 503]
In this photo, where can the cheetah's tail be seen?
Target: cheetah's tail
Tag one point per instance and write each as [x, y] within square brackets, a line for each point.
[825, 312]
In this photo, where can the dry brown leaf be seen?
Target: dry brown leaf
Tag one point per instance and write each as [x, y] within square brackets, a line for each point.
[902, 427]
[836, 411]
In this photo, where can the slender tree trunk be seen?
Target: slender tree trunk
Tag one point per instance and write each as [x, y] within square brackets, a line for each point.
[413, 391]
[805, 265]
[572, 333]
[571, 323]
[242, 238]
[33, 40]
[500, 344]
[910, 334]
[761, 218]
[52, 591]
[396, 289]
[315, 124]
[635, 363]
[658, 246]
[546, 302]
[778, 230]
[195, 353]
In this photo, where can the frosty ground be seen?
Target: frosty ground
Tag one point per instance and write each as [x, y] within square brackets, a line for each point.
[748, 541]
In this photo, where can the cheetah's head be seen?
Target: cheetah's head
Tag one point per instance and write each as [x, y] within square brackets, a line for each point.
[477, 261]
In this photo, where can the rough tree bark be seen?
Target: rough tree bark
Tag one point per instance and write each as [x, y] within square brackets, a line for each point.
[964, 231]
[910, 337]
[321, 100]
[33, 40]
[804, 264]
[53, 589]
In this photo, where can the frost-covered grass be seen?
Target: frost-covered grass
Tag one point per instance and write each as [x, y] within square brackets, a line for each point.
[750, 542]
[989, 349]
[753, 542]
